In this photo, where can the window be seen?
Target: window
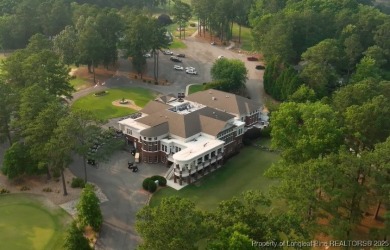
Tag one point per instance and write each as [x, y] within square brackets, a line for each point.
[144, 138]
[213, 154]
[199, 160]
[149, 139]
[206, 157]
[156, 159]
[219, 150]
[155, 138]
[129, 132]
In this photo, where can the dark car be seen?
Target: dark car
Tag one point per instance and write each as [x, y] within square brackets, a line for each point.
[181, 55]
[175, 59]
[252, 58]
[260, 67]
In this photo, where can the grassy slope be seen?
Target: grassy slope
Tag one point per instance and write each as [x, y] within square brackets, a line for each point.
[79, 83]
[25, 223]
[242, 172]
[102, 106]
[195, 88]
[246, 37]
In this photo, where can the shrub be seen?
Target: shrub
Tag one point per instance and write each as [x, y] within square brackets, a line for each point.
[192, 24]
[265, 132]
[145, 183]
[77, 183]
[161, 180]
[88, 209]
[100, 93]
[152, 186]
[24, 188]
[75, 238]
[4, 191]
[48, 190]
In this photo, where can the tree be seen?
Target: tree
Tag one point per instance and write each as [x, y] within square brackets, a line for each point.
[174, 224]
[90, 44]
[319, 71]
[27, 67]
[305, 131]
[82, 129]
[18, 161]
[7, 108]
[366, 68]
[64, 45]
[109, 25]
[74, 239]
[137, 42]
[88, 209]
[232, 72]
[367, 124]
[303, 94]
[182, 13]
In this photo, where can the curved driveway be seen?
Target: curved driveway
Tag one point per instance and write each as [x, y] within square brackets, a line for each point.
[121, 186]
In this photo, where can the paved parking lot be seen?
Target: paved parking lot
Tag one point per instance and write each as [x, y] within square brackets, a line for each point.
[123, 189]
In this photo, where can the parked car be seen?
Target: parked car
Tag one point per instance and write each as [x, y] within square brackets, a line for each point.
[219, 57]
[178, 67]
[175, 59]
[252, 58]
[167, 52]
[148, 55]
[260, 67]
[190, 68]
[180, 55]
[191, 71]
[213, 43]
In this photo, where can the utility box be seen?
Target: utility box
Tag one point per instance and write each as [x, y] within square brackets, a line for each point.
[136, 157]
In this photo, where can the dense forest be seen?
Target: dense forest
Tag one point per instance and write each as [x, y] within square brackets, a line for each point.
[327, 60]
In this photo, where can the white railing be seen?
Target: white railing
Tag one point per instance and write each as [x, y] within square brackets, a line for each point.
[169, 173]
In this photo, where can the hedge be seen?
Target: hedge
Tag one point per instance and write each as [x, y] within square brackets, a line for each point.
[161, 180]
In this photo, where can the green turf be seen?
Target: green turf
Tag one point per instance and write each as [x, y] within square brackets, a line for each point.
[246, 37]
[25, 223]
[79, 83]
[177, 44]
[102, 108]
[195, 88]
[242, 172]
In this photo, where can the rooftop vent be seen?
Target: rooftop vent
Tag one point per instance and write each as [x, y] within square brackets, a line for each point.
[227, 96]
[213, 98]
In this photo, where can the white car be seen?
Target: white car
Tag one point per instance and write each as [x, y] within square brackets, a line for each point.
[167, 52]
[220, 57]
[148, 55]
[178, 67]
[191, 71]
[190, 68]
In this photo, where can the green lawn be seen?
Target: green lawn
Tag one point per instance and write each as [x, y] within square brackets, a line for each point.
[242, 172]
[246, 37]
[25, 223]
[79, 83]
[177, 44]
[195, 88]
[101, 106]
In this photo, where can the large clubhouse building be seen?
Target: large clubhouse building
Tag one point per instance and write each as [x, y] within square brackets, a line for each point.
[191, 134]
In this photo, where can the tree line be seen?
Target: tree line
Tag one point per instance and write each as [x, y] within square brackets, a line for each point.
[328, 44]
[42, 130]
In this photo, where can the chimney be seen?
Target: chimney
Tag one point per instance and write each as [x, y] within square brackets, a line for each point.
[213, 98]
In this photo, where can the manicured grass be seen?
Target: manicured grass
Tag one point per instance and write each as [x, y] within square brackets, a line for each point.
[242, 172]
[79, 83]
[177, 44]
[101, 106]
[195, 88]
[26, 223]
[246, 37]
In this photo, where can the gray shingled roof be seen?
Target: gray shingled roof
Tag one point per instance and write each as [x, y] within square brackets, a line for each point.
[166, 98]
[153, 107]
[224, 101]
[155, 131]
